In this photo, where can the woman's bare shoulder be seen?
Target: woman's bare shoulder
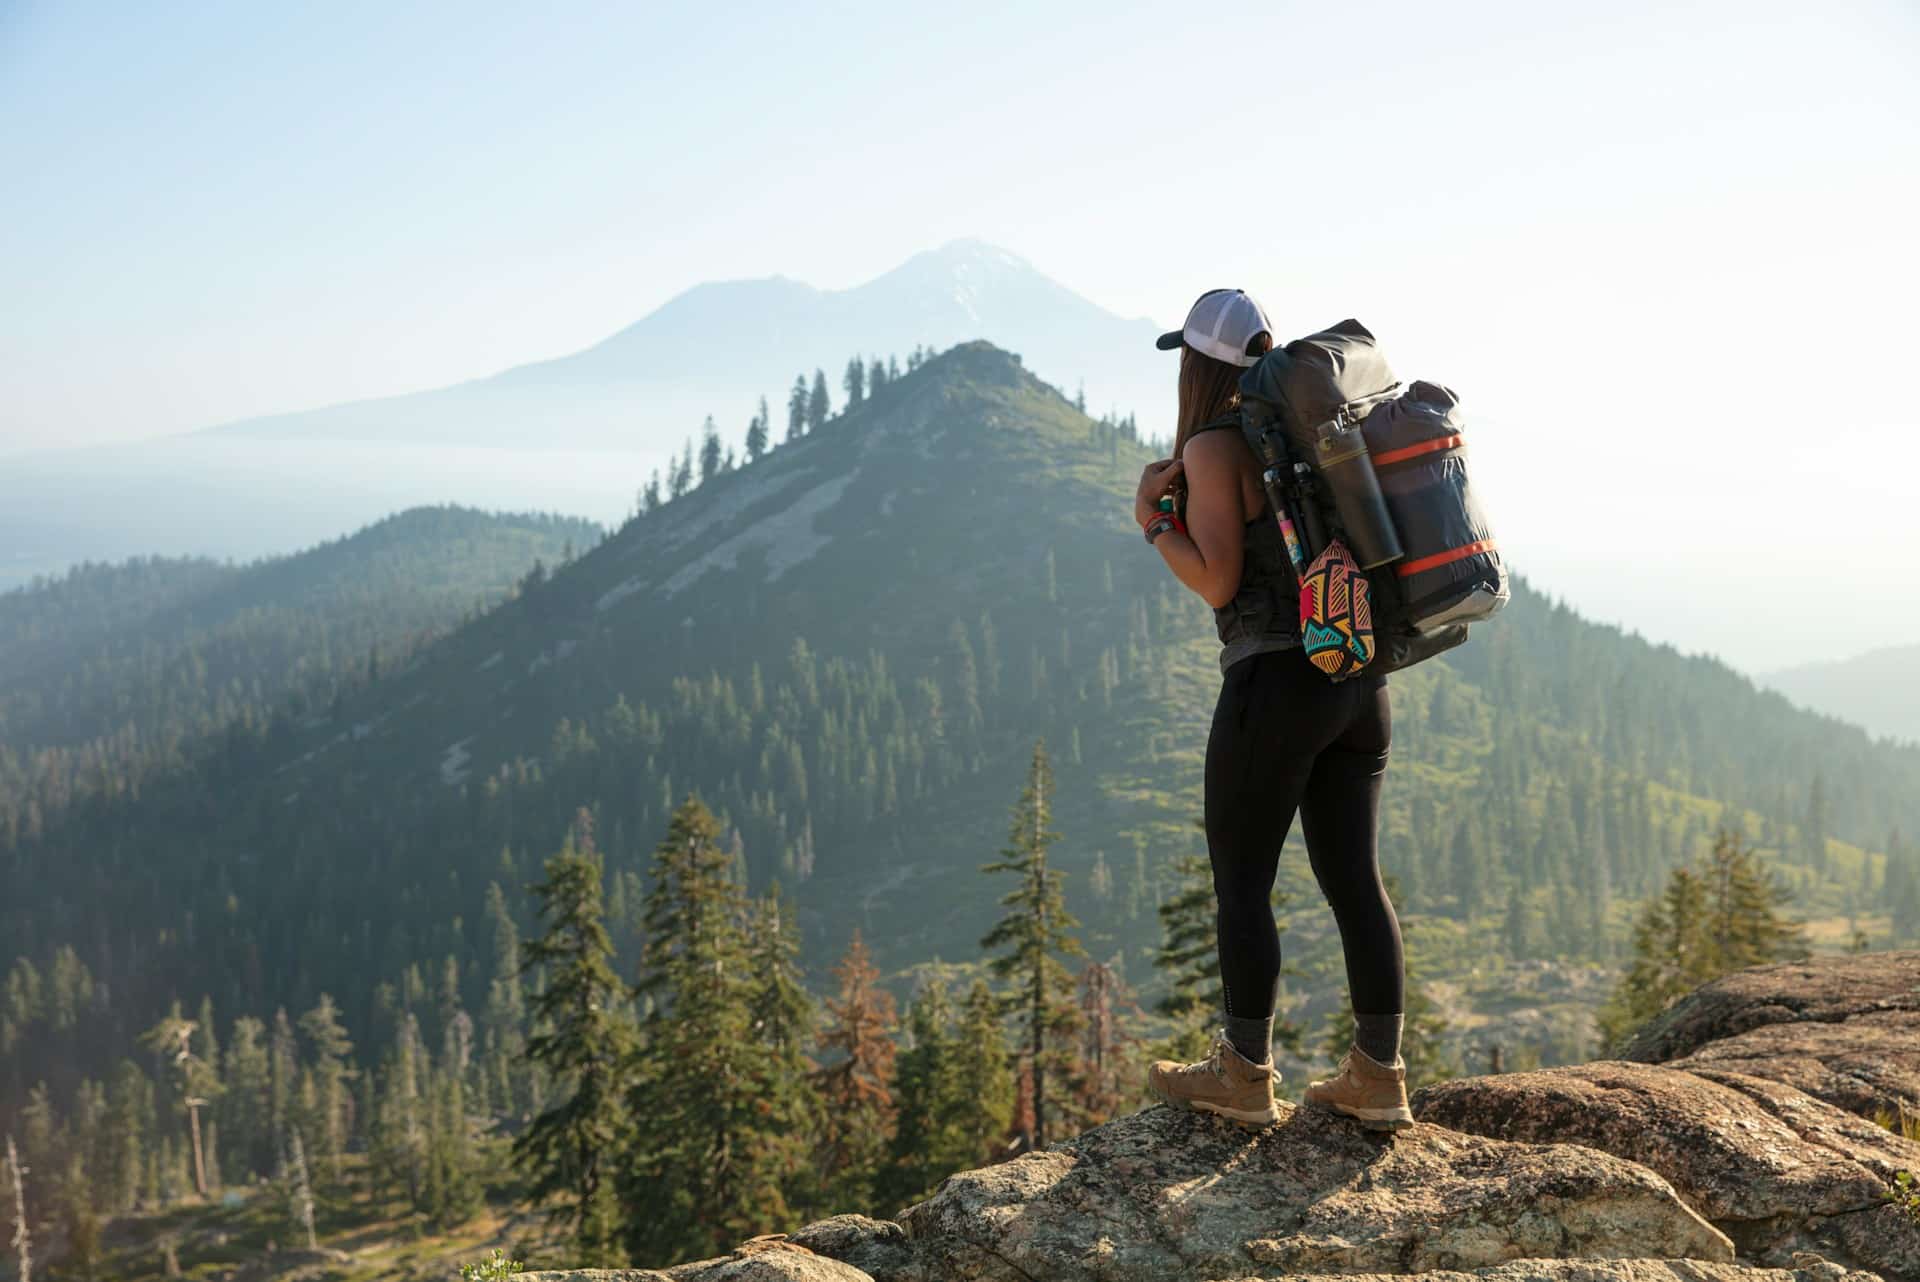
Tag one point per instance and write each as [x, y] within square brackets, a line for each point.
[1215, 462]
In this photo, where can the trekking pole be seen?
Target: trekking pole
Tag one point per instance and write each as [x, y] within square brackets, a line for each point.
[1282, 482]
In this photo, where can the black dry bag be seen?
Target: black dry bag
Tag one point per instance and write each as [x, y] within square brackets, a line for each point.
[1431, 562]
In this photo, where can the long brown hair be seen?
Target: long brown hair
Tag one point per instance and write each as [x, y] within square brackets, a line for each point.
[1209, 387]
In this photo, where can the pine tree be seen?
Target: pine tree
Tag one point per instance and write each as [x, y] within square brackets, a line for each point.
[583, 1041]
[709, 450]
[246, 1108]
[82, 1224]
[791, 1111]
[818, 406]
[1189, 954]
[758, 432]
[930, 1140]
[1744, 924]
[504, 1029]
[453, 1179]
[399, 1146]
[860, 1111]
[1901, 891]
[1714, 915]
[1469, 884]
[680, 471]
[695, 1180]
[327, 1038]
[1035, 928]
[1520, 930]
[855, 381]
[797, 408]
[983, 1076]
[130, 1118]
[1814, 831]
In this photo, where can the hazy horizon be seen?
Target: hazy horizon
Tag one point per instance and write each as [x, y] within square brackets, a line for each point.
[234, 212]
[1662, 254]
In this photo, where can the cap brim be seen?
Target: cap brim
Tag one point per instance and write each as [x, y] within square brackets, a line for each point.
[1170, 340]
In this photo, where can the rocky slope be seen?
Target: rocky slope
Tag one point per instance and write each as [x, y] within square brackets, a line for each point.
[1612, 1170]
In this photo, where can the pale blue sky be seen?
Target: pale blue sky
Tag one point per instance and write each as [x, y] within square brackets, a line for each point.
[222, 209]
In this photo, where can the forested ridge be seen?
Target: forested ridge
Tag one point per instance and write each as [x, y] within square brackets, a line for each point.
[110, 673]
[847, 648]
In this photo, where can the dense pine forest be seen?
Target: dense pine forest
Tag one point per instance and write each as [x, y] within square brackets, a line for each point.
[398, 865]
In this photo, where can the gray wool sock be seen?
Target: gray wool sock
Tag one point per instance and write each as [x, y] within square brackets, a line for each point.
[1378, 1035]
[1253, 1038]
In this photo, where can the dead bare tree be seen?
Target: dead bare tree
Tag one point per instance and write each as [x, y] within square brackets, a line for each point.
[22, 1239]
[302, 1192]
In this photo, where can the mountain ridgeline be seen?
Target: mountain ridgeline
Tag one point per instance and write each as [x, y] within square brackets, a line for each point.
[113, 672]
[848, 648]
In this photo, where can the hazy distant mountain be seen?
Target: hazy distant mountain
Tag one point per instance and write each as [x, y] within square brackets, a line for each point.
[579, 434]
[1879, 690]
[718, 347]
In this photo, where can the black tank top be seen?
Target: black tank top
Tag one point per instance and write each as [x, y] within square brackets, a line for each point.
[1264, 613]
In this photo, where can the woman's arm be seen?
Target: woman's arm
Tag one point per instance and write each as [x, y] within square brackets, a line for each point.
[1207, 557]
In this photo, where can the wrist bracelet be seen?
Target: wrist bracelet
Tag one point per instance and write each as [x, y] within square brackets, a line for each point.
[1160, 525]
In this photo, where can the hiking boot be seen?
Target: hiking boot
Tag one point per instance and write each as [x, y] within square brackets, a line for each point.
[1225, 1082]
[1363, 1087]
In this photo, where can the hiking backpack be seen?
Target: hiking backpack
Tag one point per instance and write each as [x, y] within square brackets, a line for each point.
[1450, 573]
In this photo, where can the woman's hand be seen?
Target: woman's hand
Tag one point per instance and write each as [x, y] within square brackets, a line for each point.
[1156, 478]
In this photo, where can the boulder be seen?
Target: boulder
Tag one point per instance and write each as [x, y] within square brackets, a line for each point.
[771, 1257]
[880, 1248]
[1771, 1166]
[1867, 1064]
[1828, 989]
[1164, 1194]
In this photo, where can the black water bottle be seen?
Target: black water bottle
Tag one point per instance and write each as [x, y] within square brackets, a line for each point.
[1340, 454]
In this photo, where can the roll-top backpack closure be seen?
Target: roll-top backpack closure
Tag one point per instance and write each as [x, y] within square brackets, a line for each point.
[1446, 570]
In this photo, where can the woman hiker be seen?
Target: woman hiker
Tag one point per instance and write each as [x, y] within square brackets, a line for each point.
[1284, 738]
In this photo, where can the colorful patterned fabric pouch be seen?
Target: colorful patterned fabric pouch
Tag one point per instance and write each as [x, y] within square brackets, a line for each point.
[1336, 617]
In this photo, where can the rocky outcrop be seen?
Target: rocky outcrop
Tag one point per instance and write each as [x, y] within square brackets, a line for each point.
[1769, 1165]
[1867, 1064]
[1845, 1029]
[1165, 1194]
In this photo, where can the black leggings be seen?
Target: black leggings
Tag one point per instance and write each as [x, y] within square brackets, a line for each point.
[1283, 738]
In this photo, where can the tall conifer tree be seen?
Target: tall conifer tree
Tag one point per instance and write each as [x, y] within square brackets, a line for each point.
[1035, 928]
[584, 1040]
[783, 1015]
[797, 408]
[819, 406]
[696, 1180]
